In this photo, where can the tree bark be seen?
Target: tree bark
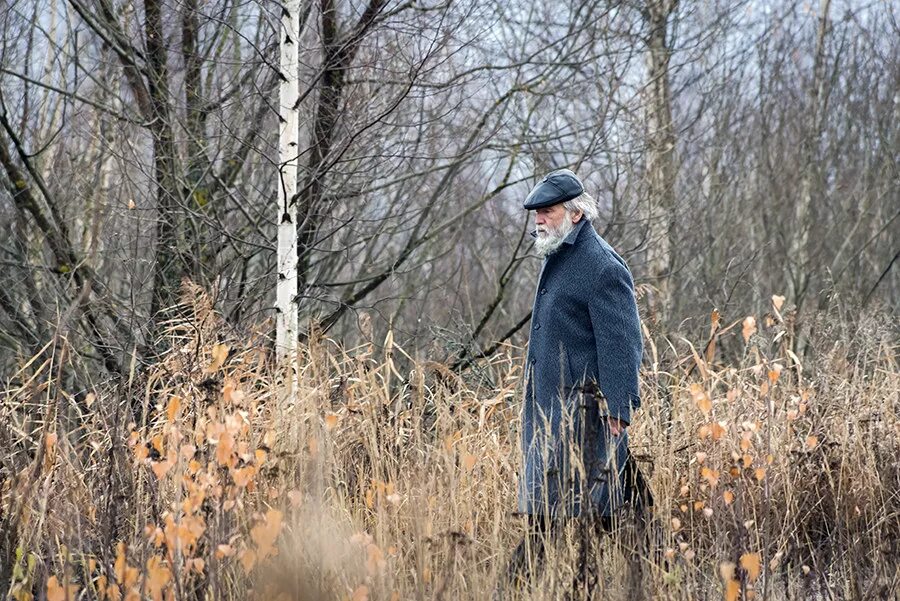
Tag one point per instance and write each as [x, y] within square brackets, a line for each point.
[661, 170]
[798, 253]
[169, 266]
[286, 310]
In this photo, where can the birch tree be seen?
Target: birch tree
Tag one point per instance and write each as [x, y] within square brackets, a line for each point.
[286, 309]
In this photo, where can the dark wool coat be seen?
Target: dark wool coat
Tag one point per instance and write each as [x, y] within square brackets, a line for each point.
[584, 352]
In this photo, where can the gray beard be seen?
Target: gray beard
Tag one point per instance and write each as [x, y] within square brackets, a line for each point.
[548, 242]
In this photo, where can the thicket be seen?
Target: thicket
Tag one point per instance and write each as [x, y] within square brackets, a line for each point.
[383, 476]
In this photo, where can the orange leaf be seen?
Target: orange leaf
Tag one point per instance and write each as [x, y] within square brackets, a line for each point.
[248, 560]
[732, 590]
[231, 394]
[157, 577]
[728, 496]
[812, 441]
[469, 461]
[710, 475]
[331, 420]
[704, 403]
[172, 409]
[120, 564]
[113, 592]
[224, 449]
[750, 563]
[160, 468]
[243, 476]
[777, 301]
[55, 592]
[718, 431]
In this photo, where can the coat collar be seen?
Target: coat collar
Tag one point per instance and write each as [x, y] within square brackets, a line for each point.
[573, 235]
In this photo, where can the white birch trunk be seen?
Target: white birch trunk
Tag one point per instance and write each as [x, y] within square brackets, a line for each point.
[286, 314]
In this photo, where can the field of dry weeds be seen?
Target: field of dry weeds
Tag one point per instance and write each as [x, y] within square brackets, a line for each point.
[385, 477]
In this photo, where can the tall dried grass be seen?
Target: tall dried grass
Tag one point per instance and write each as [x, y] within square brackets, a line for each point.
[205, 477]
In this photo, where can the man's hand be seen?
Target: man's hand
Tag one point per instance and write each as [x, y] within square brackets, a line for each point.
[616, 426]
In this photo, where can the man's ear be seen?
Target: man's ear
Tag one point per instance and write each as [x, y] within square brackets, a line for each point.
[576, 216]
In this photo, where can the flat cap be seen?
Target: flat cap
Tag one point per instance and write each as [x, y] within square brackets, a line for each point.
[556, 187]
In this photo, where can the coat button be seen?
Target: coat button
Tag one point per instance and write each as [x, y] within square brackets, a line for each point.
[543, 291]
[537, 327]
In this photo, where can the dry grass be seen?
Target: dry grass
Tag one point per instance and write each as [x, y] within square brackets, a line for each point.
[372, 482]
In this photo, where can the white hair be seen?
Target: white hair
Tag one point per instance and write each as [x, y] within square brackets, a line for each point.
[584, 203]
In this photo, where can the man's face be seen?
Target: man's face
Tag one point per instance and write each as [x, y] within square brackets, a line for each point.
[553, 225]
[549, 219]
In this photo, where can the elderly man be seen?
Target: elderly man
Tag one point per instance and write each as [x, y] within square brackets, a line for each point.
[581, 387]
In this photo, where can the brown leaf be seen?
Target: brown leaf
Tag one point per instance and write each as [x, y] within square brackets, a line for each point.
[265, 532]
[248, 560]
[777, 301]
[748, 327]
[704, 403]
[361, 593]
[219, 355]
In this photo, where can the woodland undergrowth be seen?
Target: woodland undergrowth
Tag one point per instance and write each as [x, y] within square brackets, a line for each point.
[374, 474]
